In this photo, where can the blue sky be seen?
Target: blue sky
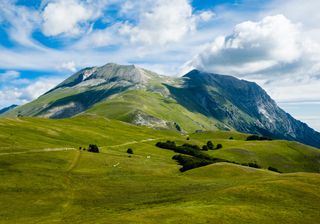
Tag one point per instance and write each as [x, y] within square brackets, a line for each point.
[274, 43]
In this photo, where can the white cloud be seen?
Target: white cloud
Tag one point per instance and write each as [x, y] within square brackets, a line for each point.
[65, 17]
[253, 47]
[274, 52]
[16, 95]
[69, 66]
[148, 23]
[205, 16]
[163, 21]
[20, 21]
[8, 76]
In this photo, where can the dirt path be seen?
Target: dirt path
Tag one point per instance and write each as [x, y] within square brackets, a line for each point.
[133, 142]
[36, 151]
[68, 149]
[75, 161]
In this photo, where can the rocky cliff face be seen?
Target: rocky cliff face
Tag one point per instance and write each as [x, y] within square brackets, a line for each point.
[222, 101]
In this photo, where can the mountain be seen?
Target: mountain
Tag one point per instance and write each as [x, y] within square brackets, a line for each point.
[7, 109]
[196, 101]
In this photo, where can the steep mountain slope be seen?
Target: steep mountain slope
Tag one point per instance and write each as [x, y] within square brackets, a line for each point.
[243, 105]
[196, 101]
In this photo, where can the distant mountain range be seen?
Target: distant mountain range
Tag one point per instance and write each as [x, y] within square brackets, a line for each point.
[196, 101]
[6, 109]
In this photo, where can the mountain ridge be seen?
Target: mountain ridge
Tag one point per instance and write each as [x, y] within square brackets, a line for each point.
[196, 101]
[6, 109]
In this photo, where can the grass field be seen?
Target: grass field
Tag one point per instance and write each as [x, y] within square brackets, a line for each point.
[71, 186]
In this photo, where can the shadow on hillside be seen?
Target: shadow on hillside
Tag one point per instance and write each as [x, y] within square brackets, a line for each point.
[72, 105]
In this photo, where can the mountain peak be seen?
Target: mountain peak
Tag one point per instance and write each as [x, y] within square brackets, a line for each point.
[108, 73]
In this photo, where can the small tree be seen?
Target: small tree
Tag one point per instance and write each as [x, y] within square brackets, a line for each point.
[231, 138]
[219, 146]
[210, 145]
[130, 151]
[205, 148]
[188, 138]
[93, 148]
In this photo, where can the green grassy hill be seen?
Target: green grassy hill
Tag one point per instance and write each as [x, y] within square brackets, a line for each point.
[126, 105]
[44, 183]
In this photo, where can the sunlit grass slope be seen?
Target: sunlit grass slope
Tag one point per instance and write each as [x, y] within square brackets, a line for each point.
[125, 105]
[110, 187]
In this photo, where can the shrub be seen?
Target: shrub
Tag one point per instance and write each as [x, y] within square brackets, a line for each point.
[188, 138]
[186, 145]
[130, 151]
[210, 145]
[258, 138]
[273, 169]
[166, 145]
[231, 138]
[219, 146]
[93, 148]
[205, 148]
[253, 165]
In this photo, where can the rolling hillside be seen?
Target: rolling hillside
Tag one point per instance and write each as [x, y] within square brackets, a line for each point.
[46, 181]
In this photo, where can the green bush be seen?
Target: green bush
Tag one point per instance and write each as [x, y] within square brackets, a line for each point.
[205, 148]
[130, 151]
[257, 138]
[210, 145]
[219, 146]
[166, 145]
[93, 148]
[186, 145]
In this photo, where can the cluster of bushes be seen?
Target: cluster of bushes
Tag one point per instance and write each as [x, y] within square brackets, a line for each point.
[257, 138]
[188, 149]
[92, 148]
[253, 165]
[210, 146]
[192, 156]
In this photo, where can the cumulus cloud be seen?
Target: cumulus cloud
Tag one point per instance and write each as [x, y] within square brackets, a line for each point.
[65, 17]
[164, 21]
[12, 93]
[253, 47]
[150, 22]
[274, 52]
